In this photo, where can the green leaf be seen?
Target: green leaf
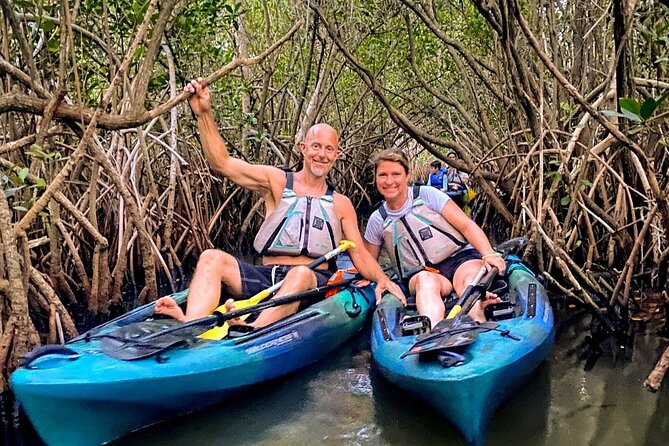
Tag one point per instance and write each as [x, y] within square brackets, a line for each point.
[20, 208]
[648, 108]
[578, 243]
[630, 105]
[555, 176]
[48, 26]
[565, 200]
[40, 183]
[53, 45]
[23, 174]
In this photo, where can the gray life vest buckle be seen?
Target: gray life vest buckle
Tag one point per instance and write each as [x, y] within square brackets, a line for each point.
[415, 325]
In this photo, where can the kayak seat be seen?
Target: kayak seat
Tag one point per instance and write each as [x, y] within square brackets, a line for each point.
[236, 331]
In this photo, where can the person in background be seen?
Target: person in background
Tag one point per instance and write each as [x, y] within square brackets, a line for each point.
[438, 175]
[456, 179]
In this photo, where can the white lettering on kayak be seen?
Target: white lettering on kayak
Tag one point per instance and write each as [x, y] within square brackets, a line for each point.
[281, 340]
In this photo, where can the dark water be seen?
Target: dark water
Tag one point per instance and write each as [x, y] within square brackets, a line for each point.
[343, 400]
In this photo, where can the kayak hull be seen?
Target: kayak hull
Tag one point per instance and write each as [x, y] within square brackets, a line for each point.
[90, 398]
[495, 366]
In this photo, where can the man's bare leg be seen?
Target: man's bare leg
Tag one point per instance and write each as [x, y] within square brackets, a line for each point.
[300, 278]
[213, 268]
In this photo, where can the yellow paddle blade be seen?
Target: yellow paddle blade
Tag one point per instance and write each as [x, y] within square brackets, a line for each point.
[469, 195]
[218, 333]
[346, 244]
[255, 300]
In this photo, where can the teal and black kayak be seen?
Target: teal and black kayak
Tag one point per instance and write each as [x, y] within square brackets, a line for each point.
[489, 369]
[77, 395]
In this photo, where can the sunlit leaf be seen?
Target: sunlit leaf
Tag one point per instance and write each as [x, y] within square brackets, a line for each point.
[632, 116]
[613, 113]
[23, 174]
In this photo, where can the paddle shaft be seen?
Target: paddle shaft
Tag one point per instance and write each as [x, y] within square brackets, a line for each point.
[478, 292]
[264, 294]
[457, 308]
[217, 319]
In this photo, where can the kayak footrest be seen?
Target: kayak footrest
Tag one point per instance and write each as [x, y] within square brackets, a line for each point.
[500, 311]
[415, 325]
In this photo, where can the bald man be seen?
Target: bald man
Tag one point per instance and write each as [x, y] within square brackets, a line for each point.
[286, 241]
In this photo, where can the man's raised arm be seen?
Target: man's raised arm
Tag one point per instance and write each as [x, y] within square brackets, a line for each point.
[250, 176]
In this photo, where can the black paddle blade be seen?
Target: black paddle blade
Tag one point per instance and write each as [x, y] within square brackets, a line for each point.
[453, 340]
[128, 350]
[135, 342]
[450, 333]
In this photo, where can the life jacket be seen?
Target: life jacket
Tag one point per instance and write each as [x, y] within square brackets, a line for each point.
[420, 238]
[300, 225]
[454, 176]
[437, 179]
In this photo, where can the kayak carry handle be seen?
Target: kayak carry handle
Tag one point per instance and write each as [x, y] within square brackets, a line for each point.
[45, 350]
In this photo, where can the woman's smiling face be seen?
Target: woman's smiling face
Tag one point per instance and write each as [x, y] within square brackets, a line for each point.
[392, 180]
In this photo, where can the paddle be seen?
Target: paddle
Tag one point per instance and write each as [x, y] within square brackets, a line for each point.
[129, 349]
[457, 331]
[478, 291]
[450, 333]
[220, 331]
[457, 308]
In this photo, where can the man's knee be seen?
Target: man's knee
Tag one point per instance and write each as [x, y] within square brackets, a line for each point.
[214, 259]
[302, 275]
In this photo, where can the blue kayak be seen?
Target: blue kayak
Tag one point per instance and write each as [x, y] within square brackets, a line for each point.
[495, 364]
[77, 395]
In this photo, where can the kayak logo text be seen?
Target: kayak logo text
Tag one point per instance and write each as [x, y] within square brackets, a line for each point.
[281, 340]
